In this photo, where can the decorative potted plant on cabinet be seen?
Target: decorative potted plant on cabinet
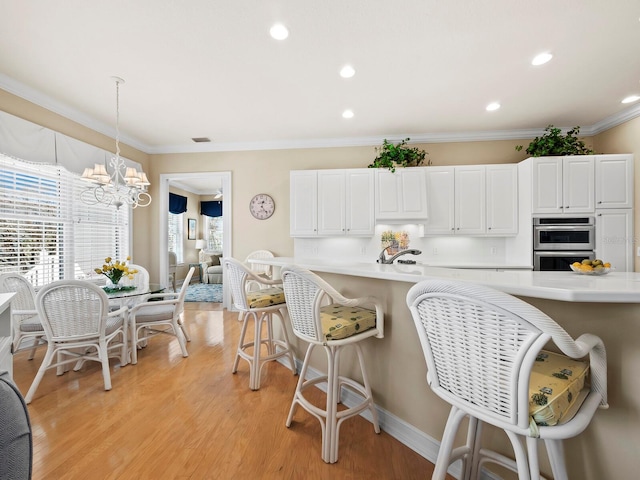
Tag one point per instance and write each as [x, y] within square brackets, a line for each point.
[553, 143]
[392, 155]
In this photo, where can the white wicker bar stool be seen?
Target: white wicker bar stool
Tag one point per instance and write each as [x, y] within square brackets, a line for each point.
[260, 305]
[323, 317]
[483, 350]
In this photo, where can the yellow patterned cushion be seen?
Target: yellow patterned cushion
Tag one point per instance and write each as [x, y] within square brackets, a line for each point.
[265, 297]
[339, 321]
[555, 383]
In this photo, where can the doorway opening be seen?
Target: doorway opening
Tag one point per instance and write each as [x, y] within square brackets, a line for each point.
[215, 183]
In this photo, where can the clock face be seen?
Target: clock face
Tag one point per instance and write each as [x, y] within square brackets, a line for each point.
[262, 206]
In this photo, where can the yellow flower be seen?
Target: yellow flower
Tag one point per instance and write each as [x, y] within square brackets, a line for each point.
[114, 271]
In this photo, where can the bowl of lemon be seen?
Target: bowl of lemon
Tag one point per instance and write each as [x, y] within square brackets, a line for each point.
[591, 267]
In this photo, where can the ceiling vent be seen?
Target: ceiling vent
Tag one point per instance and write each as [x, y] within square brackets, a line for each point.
[201, 139]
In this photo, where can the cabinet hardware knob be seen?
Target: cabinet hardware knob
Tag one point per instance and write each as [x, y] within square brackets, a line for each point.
[600, 202]
[489, 228]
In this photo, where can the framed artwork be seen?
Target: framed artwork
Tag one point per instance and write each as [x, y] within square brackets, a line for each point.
[191, 229]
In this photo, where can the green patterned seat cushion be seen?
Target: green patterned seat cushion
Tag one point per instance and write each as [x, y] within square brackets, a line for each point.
[555, 383]
[265, 297]
[339, 321]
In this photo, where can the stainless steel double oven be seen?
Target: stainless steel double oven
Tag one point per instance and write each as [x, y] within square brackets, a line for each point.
[560, 241]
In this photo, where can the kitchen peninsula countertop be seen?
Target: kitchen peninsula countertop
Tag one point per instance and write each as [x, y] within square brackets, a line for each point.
[615, 287]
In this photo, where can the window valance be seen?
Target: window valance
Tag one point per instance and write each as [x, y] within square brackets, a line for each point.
[177, 203]
[211, 209]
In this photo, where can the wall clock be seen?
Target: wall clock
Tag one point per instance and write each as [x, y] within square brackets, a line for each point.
[262, 206]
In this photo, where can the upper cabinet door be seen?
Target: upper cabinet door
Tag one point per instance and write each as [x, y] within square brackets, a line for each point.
[614, 181]
[331, 202]
[547, 185]
[303, 203]
[470, 214]
[359, 210]
[563, 184]
[401, 195]
[440, 201]
[578, 175]
[502, 199]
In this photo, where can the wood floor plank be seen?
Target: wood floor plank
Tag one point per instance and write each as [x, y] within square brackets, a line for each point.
[170, 417]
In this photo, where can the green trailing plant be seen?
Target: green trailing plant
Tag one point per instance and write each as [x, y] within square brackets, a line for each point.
[391, 155]
[553, 142]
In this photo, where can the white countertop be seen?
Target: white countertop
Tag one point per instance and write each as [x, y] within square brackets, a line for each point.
[615, 287]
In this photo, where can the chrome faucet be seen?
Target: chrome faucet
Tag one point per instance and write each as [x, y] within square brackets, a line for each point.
[383, 259]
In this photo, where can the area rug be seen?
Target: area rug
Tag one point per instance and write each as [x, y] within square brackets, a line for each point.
[204, 292]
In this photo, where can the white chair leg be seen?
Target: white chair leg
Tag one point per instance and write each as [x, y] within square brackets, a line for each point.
[328, 438]
[367, 388]
[301, 380]
[446, 445]
[134, 343]
[243, 333]
[255, 367]
[292, 360]
[555, 452]
[181, 339]
[522, 463]
[103, 354]
[48, 356]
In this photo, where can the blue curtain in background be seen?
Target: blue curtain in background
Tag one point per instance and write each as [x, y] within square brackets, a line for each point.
[177, 204]
[211, 209]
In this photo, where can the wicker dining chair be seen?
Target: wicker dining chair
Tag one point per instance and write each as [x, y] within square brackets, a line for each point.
[160, 313]
[78, 326]
[259, 305]
[27, 327]
[483, 350]
[322, 317]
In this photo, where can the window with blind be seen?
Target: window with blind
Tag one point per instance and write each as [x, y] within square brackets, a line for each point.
[213, 233]
[176, 234]
[46, 233]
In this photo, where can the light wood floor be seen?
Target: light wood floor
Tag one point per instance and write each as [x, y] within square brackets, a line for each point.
[170, 417]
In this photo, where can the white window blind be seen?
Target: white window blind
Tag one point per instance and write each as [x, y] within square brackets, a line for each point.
[46, 234]
[213, 233]
[176, 234]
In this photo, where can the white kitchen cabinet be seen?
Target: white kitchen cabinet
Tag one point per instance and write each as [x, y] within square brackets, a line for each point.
[440, 182]
[360, 202]
[614, 238]
[470, 200]
[563, 184]
[502, 199]
[346, 202]
[303, 203]
[332, 202]
[401, 195]
[614, 181]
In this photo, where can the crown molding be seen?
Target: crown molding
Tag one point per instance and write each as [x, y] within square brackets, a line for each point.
[16, 88]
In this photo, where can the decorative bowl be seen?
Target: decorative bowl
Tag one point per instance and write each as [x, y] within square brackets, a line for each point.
[602, 271]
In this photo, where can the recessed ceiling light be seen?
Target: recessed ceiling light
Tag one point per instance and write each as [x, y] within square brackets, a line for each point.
[493, 106]
[347, 114]
[347, 71]
[279, 31]
[541, 59]
[631, 99]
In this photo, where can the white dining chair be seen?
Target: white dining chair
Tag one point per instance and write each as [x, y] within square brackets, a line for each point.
[78, 326]
[28, 332]
[160, 313]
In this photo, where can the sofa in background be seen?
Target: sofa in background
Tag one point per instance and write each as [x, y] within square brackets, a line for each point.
[211, 268]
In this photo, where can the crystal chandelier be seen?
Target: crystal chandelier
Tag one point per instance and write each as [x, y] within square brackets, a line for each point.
[115, 183]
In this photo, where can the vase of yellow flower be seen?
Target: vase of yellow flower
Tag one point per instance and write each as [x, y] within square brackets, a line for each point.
[115, 271]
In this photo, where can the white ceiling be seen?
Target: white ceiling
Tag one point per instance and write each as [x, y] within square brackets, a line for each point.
[424, 68]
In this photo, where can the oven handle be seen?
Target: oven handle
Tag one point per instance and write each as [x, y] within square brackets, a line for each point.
[563, 253]
[564, 227]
